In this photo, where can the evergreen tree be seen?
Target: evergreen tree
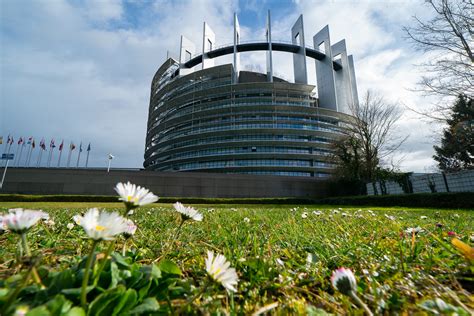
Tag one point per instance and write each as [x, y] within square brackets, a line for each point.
[457, 145]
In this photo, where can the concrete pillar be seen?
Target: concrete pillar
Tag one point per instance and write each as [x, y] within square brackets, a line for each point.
[299, 58]
[186, 51]
[208, 44]
[324, 71]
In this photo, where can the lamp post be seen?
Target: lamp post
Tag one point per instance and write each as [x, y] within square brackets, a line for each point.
[110, 161]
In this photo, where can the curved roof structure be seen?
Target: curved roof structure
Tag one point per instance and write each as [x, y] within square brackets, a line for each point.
[258, 46]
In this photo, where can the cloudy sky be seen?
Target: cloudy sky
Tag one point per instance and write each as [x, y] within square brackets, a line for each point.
[81, 70]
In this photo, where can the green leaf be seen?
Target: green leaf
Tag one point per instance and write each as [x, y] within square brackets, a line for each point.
[151, 272]
[127, 302]
[75, 311]
[77, 291]
[114, 275]
[105, 303]
[169, 267]
[121, 261]
[59, 305]
[150, 304]
[39, 311]
[60, 281]
[143, 292]
[3, 292]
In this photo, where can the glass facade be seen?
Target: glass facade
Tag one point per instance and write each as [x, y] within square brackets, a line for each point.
[204, 122]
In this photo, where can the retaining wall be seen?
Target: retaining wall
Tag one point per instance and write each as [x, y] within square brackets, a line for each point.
[169, 184]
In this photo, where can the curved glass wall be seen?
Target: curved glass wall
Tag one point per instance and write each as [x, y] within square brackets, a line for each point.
[203, 122]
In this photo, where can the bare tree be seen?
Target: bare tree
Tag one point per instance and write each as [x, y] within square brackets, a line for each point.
[449, 36]
[370, 138]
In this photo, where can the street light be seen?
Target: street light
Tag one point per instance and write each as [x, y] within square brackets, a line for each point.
[110, 161]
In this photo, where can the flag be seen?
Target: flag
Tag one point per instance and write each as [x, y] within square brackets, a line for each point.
[42, 144]
[61, 146]
[80, 148]
[10, 141]
[20, 141]
[30, 140]
[72, 147]
[52, 145]
[33, 144]
[89, 147]
[1, 140]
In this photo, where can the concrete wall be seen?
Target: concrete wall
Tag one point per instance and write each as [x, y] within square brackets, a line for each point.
[167, 184]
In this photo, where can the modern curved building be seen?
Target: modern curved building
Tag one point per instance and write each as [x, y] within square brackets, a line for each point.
[222, 119]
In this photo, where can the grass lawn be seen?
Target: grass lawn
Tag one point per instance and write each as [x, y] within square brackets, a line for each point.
[284, 256]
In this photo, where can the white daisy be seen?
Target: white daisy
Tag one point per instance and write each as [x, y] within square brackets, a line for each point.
[246, 219]
[102, 225]
[423, 217]
[219, 269]
[70, 226]
[304, 215]
[131, 228]
[415, 230]
[50, 222]
[187, 212]
[19, 220]
[3, 227]
[77, 219]
[344, 280]
[134, 196]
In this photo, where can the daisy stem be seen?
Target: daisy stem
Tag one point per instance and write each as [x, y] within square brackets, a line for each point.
[169, 246]
[178, 229]
[360, 303]
[85, 280]
[26, 249]
[104, 261]
[24, 245]
[124, 247]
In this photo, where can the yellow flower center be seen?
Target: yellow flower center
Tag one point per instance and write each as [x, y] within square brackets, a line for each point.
[218, 270]
[131, 198]
[99, 228]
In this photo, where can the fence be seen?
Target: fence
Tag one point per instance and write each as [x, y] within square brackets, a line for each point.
[461, 181]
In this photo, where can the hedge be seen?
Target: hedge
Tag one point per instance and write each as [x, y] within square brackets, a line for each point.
[463, 200]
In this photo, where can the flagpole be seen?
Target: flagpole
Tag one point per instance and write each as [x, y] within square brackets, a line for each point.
[21, 152]
[31, 154]
[9, 143]
[50, 155]
[87, 158]
[69, 156]
[16, 154]
[28, 155]
[59, 159]
[79, 155]
[39, 157]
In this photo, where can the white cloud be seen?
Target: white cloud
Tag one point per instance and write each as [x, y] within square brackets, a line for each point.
[103, 10]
